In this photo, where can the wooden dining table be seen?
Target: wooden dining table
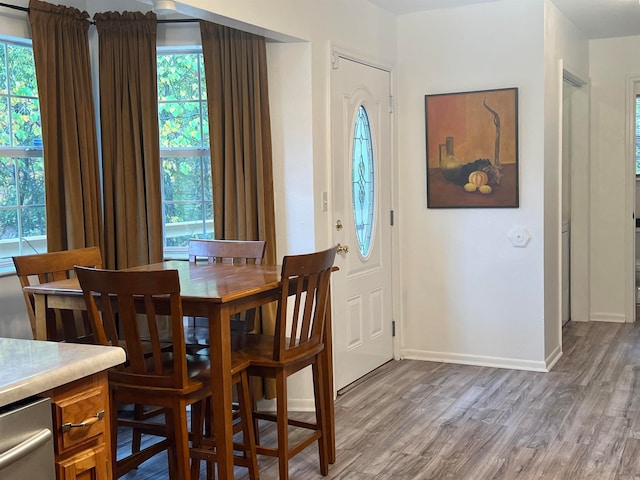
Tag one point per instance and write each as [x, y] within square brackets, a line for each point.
[214, 291]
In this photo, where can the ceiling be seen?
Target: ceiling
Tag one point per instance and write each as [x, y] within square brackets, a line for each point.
[594, 18]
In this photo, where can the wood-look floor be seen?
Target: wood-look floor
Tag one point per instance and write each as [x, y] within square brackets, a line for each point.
[423, 420]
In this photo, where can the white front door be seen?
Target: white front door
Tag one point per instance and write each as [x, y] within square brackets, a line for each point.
[361, 209]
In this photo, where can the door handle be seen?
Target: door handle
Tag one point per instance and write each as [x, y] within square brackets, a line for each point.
[25, 448]
[342, 249]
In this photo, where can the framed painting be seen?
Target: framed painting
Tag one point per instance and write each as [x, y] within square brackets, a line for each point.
[472, 149]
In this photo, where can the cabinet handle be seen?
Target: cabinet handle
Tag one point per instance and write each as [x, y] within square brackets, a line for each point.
[85, 423]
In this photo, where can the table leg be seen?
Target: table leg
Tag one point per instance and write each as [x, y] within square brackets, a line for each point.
[221, 386]
[40, 310]
[326, 367]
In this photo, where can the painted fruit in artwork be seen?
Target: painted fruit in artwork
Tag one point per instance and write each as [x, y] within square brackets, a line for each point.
[470, 187]
[485, 189]
[478, 178]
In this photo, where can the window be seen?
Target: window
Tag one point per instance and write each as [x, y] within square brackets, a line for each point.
[187, 199]
[363, 182]
[22, 195]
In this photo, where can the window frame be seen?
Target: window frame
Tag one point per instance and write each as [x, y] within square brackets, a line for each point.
[16, 152]
[637, 134]
[203, 153]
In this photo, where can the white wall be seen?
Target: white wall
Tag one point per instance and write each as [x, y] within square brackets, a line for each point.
[614, 63]
[467, 294]
[14, 322]
[291, 132]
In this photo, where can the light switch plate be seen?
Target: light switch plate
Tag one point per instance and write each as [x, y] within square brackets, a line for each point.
[519, 236]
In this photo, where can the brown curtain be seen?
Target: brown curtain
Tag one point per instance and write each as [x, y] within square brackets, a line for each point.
[130, 141]
[235, 65]
[72, 179]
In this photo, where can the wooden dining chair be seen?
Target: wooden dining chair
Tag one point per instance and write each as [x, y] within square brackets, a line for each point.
[227, 251]
[62, 325]
[153, 375]
[302, 305]
[239, 252]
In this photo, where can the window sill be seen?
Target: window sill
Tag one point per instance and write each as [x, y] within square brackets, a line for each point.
[7, 272]
[176, 256]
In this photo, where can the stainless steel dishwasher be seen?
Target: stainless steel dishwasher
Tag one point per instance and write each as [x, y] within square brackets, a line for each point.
[26, 441]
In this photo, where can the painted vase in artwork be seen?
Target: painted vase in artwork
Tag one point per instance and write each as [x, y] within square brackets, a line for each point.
[449, 164]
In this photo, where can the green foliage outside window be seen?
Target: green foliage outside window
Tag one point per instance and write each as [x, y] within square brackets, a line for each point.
[184, 148]
[22, 195]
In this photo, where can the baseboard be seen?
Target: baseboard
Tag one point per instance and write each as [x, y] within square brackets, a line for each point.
[301, 405]
[553, 358]
[477, 360]
[293, 404]
[608, 317]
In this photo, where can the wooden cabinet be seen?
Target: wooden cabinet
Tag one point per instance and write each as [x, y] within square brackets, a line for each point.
[89, 464]
[82, 441]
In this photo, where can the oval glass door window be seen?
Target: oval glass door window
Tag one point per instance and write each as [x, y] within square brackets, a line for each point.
[363, 182]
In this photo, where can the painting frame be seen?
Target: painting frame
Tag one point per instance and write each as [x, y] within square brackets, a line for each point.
[472, 149]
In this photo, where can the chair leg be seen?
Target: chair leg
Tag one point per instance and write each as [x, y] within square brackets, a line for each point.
[208, 431]
[197, 426]
[282, 424]
[318, 390]
[181, 434]
[254, 408]
[248, 436]
[114, 435]
[173, 475]
[136, 440]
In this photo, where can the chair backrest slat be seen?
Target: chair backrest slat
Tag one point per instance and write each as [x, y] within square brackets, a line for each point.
[227, 251]
[49, 267]
[141, 297]
[306, 278]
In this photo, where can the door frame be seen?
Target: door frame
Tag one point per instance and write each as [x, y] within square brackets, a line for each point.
[396, 279]
[580, 178]
[632, 87]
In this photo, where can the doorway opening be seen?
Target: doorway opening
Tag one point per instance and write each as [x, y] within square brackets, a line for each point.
[575, 180]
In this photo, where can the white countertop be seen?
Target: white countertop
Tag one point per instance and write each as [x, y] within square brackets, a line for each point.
[29, 367]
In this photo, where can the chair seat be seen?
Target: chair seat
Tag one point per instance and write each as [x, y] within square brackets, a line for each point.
[198, 374]
[258, 349]
[198, 369]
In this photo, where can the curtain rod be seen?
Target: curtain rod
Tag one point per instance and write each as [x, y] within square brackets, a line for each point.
[15, 7]
[176, 20]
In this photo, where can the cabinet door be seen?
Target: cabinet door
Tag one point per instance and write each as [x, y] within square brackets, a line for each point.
[89, 464]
